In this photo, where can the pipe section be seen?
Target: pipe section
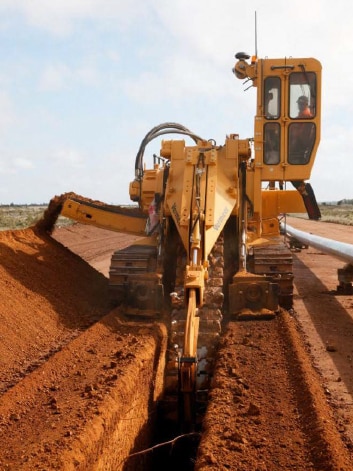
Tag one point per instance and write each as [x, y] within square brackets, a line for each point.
[340, 250]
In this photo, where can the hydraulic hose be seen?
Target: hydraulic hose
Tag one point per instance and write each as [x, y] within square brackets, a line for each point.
[161, 129]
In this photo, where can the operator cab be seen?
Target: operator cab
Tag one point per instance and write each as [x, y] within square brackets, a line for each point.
[287, 122]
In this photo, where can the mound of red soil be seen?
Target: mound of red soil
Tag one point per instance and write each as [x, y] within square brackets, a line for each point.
[48, 295]
[68, 366]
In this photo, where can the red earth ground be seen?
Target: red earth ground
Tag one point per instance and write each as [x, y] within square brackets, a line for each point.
[79, 381]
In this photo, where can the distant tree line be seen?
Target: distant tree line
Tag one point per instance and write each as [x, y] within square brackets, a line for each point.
[338, 203]
[15, 205]
[344, 201]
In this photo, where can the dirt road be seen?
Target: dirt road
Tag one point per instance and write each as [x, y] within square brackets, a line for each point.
[77, 379]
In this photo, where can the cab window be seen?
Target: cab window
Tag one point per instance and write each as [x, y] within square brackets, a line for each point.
[272, 97]
[271, 143]
[301, 142]
[302, 95]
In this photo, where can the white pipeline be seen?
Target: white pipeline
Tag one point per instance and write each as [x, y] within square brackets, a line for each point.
[340, 250]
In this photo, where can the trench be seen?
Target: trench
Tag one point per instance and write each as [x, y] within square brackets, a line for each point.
[161, 443]
[136, 433]
[278, 420]
[167, 451]
[266, 410]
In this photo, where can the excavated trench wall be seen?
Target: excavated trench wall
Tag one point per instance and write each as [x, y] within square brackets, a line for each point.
[127, 420]
[65, 421]
[79, 386]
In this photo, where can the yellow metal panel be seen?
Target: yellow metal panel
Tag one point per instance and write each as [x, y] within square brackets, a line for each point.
[105, 218]
[211, 194]
[179, 194]
[173, 147]
[186, 195]
[232, 148]
[222, 194]
[275, 202]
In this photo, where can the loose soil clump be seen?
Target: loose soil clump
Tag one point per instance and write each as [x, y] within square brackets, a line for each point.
[47, 222]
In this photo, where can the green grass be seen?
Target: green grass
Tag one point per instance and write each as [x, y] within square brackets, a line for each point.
[23, 216]
[340, 214]
[19, 217]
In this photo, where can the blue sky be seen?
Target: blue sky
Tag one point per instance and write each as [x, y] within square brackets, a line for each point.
[83, 81]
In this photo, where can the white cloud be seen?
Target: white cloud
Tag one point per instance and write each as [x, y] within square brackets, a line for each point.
[7, 113]
[61, 17]
[68, 158]
[23, 163]
[6, 168]
[55, 77]
[11, 164]
[113, 55]
[59, 76]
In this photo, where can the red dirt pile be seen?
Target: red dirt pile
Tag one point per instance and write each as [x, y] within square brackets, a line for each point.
[70, 370]
[48, 296]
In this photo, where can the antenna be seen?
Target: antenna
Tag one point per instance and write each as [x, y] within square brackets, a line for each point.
[255, 34]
